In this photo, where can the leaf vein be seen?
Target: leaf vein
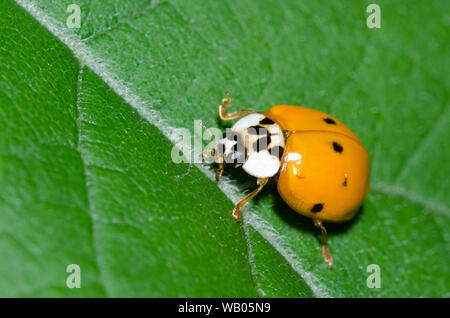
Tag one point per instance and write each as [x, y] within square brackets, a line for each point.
[422, 145]
[124, 20]
[85, 176]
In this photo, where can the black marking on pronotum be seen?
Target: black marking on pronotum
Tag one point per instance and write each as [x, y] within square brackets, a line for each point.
[337, 147]
[277, 151]
[317, 207]
[232, 136]
[266, 121]
[330, 121]
[261, 144]
[257, 130]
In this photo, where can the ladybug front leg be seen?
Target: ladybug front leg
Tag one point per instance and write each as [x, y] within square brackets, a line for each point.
[219, 171]
[223, 110]
[326, 253]
[237, 209]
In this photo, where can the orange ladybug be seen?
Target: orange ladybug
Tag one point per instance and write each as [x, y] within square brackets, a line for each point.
[322, 166]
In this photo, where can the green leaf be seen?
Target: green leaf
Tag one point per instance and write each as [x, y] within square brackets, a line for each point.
[87, 128]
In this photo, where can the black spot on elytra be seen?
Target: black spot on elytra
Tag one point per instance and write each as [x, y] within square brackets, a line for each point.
[345, 182]
[277, 151]
[317, 207]
[330, 121]
[337, 147]
[266, 121]
[257, 130]
[261, 144]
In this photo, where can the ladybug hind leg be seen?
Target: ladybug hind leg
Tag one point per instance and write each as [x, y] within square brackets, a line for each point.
[237, 209]
[326, 253]
[230, 116]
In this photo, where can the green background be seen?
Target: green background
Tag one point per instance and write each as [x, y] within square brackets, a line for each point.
[87, 120]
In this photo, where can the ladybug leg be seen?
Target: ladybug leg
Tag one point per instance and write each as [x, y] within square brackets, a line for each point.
[237, 209]
[223, 110]
[219, 171]
[326, 253]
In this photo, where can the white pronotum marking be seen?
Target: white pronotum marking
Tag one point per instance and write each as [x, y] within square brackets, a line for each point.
[247, 121]
[261, 164]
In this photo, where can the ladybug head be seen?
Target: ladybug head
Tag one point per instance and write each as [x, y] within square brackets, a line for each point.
[230, 149]
[255, 142]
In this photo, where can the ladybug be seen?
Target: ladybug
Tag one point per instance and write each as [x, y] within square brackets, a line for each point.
[321, 165]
